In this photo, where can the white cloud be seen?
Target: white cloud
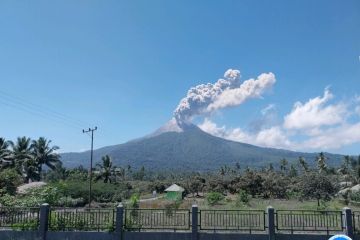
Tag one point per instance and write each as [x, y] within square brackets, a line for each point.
[270, 137]
[323, 126]
[333, 138]
[315, 113]
[273, 137]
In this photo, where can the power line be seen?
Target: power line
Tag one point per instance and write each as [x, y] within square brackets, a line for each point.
[17, 101]
[38, 110]
[38, 114]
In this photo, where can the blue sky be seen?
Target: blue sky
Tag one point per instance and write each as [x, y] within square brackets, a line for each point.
[125, 65]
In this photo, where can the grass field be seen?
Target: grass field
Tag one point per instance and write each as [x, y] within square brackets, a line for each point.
[255, 203]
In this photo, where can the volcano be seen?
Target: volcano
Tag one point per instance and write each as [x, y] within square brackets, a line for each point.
[185, 146]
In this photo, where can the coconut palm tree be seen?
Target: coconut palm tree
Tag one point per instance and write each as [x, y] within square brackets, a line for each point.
[5, 154]
[106, 169]
[44, 154]
[321, 163]
[303, 164]
[22, 154]
[283, 165]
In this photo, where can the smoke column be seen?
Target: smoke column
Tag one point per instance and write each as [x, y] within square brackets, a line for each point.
[227, 92]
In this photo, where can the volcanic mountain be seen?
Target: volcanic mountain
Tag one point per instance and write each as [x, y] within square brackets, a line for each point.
[186, 147]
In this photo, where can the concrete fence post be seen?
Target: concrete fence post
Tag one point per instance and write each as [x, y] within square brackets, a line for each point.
[44, 220]
[271, 222]
[194, 222]
[119, 220]
[349, 229]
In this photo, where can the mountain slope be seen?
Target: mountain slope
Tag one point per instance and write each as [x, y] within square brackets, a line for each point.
[189, 148]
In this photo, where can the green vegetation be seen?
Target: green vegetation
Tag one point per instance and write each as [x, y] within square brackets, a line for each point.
[307, 184]
[214, 197]
[28, 156]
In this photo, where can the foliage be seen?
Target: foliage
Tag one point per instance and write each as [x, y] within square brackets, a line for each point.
[44, 154]
[317, 186]
[303, 164]
[28, 225]
[101, 192]
[242, 198]
[70, 202]
[195, 185]
[75, 221]
[214, 198]
[134, 201]
[34, 197]
[321, 163]
[9, 180]
[355, 196]
[28, 156]
[106, 169]
[5, 154]
[170, 208]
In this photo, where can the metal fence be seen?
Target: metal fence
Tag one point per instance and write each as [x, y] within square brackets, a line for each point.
[309, 221]
[232, 220]
[74, 219]
[17, 218]
[79, 219]
[356, 221]
[160, 219]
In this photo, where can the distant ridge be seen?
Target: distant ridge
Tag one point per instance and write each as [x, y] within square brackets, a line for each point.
[187, 147]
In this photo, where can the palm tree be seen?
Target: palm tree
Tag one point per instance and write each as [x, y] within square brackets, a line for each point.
[120, 172]
[106, 169]
[303, 164]
[5, 154]
[30, 170]
[321, 162]
[44, 154]
[23, 158]
[283, 165]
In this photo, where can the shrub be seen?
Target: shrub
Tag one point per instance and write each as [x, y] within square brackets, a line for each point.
[242, 198]
[171, 207]
[355, 196]
[9, 180]
[29, 225]
[70, 202]
[214, 198]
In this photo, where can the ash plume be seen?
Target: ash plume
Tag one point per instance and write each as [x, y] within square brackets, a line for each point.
[226, 92]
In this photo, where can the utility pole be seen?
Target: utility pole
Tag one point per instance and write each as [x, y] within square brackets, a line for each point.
[91, 159]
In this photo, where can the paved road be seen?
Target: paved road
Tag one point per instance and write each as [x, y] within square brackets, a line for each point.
[148, 199]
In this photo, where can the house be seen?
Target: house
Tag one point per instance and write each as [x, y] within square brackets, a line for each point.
[174, 192]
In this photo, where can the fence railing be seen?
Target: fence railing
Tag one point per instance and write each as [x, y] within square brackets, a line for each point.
[160, 219]
[122, 219]
[17, 218]
[356, 221]
[232, 220]
[308, 221]
[73, 219]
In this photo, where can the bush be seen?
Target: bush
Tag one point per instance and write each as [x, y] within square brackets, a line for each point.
[242, 198]
[9, 181]
[32, 198]
[171, 207]
[101, 192]
[70, 202]
[29, 225]
[214, 198]
[355, 196]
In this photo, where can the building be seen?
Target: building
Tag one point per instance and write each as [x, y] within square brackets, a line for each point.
[174, 192]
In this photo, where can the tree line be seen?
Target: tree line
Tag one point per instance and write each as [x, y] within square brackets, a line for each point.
[27, 157]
